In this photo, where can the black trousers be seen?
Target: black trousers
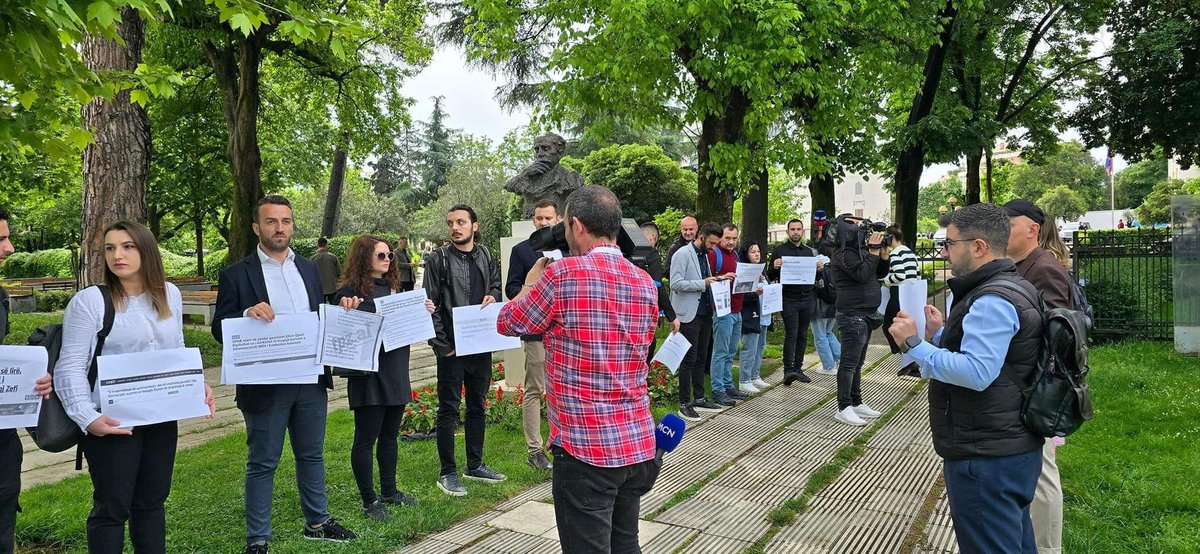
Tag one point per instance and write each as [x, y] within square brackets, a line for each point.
[699, 332]
[796, 316]
[11, 456]
[406, 286]
[855, 333]
[596, 508]
[131, 478]
[889, 315]
[473, 372]
[375, 431]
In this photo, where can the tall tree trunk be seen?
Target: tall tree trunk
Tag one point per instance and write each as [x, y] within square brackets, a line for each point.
[714, 197]
[988, 156]
[820, 189]
[337, 178]
[911, 162]
[198, 223]
[972, 192]
[115, 165]
[154, 217]
[236, 70]
[754, 210]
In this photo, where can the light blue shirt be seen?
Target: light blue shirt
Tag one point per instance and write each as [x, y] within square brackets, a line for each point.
[988, 328]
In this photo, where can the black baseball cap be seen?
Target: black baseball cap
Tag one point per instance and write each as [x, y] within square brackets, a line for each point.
[1021, 206]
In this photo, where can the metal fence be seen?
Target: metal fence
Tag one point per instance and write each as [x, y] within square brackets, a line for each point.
[1126, 275]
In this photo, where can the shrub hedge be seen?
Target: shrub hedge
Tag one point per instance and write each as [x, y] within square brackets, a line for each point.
[55, 263]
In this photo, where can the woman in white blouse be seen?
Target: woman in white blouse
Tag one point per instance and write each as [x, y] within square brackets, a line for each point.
[130, 468]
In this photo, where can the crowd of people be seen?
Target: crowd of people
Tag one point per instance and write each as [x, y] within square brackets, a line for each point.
[587, 326]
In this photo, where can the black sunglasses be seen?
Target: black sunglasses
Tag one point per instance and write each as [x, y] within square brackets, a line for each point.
[381, 256]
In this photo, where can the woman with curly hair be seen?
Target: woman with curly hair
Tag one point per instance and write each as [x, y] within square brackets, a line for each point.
[377, 399]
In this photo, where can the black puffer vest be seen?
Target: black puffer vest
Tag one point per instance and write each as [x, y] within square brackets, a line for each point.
[986, 424]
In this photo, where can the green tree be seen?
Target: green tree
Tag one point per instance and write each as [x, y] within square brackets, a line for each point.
[935, 195]
[437, 158]
[785, 196]
[1157, 206]
[643, 178]
[1143, 99]
[363, 211]
[1070, 166]
[764, 84]
[477, 181]
[1063, 202]
[1135, 182]
[398, 166]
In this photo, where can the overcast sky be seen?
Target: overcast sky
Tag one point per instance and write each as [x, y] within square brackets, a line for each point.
[472, 107]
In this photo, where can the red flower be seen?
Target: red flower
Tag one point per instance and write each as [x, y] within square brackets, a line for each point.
[487, 404]
[499, 393]
[424, 409]
[415, 397]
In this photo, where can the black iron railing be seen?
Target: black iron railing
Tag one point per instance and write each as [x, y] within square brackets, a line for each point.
[1126, 275]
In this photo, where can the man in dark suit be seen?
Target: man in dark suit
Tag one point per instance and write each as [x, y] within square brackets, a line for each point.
[274, 280]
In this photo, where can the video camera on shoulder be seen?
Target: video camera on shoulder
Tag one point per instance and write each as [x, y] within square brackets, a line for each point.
[847, 231]
[632, 242]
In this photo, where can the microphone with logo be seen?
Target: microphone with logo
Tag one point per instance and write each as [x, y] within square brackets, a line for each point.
[668, 434]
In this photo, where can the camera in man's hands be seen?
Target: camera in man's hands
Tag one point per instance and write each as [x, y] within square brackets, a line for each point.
[632, 242]
[852, 232]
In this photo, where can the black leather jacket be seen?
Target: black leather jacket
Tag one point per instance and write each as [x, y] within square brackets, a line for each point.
[448, 284]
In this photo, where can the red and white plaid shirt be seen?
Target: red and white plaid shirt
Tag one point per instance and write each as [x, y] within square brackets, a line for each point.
[597, 312]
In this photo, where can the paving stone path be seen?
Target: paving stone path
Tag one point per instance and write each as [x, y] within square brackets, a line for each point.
[717, 491]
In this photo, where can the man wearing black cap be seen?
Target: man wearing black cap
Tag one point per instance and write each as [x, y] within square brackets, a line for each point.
[1049, 276]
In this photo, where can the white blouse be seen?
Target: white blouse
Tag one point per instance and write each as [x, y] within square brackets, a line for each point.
[136, 328]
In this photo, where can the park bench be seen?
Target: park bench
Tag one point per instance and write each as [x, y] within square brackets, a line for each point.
[191, 283]
[200, 302]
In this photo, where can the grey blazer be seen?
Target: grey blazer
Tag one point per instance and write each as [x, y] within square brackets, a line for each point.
[687, 283]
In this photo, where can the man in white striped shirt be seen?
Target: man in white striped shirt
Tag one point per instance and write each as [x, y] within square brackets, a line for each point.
[902, 266]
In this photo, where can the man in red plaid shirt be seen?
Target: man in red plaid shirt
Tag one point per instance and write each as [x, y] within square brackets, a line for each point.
[597, 312]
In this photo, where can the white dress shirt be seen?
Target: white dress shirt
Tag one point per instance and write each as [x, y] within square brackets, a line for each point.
[285, 286]
[136, 328]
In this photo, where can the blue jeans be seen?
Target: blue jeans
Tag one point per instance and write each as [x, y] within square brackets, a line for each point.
[298, 410]
[989, 501]
[727, 332]
[828, 347]
[751, 357]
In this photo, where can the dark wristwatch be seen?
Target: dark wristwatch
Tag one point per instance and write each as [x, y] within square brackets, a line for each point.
[910, 343]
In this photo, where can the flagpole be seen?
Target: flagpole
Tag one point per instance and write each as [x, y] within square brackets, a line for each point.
[1112, 195]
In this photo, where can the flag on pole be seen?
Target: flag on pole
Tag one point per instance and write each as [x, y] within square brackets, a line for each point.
[1108, 164]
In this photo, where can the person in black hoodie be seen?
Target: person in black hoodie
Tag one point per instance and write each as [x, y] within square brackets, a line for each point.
[797, 304]
[377, 399]
[856, 267]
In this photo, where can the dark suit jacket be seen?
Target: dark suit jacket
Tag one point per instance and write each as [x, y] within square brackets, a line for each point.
[1049, 276]
[241, 286]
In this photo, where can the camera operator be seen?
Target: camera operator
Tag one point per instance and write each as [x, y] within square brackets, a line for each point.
[856, 268]
[597, 313]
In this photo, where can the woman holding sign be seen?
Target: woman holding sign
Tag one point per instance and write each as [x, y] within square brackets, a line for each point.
[130, 468]
[754, 328]
[377, 399]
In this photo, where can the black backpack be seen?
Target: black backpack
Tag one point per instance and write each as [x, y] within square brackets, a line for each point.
[1057, 401]
[1080, 302]
[55, 431]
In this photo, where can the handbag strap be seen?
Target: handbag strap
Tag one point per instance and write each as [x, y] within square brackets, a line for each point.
[110, 314]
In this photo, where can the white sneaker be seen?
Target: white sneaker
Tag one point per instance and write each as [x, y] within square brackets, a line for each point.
[762, 385]
[865, 411]
[827, 371]
[848, 417]
[748, 388]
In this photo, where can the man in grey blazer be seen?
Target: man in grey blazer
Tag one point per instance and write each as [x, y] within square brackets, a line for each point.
[692, 299]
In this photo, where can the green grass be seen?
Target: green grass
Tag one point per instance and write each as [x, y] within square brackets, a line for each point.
[1130, 476]
[24, 324]
[205, 510]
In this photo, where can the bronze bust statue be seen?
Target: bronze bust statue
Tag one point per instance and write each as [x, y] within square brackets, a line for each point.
[545, 178]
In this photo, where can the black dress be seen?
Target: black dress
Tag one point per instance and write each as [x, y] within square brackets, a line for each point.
[389, 387]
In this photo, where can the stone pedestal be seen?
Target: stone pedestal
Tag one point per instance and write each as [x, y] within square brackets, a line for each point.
[514, 360]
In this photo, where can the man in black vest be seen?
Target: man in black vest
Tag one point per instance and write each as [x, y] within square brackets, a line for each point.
[990, 342]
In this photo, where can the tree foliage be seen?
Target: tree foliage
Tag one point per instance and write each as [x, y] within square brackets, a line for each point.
[1135, 182]
[785, 196]
[1149, 95]
[478, 181]
[936, 195]
[1070, 166]
[1062, 201]
[1157, 206]
[643, 178]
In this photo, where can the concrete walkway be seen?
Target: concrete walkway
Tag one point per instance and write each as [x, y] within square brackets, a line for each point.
[734, 470]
